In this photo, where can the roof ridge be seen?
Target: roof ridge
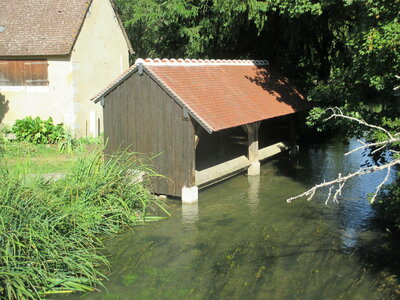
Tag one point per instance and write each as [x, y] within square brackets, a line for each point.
[197, 62]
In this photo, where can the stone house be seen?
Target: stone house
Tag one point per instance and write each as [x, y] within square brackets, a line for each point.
[54, 55]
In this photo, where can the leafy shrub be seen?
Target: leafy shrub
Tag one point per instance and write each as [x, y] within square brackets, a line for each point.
[38, 131]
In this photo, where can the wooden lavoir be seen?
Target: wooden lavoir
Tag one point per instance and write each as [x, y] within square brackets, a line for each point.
[188, 114]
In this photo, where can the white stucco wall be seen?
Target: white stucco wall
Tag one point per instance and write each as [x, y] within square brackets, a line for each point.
[54, 100]
[100, 54]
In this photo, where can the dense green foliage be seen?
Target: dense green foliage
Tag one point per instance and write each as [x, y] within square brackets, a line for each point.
[50, 230]
[342, 52]
[389, 207]
[38, 131]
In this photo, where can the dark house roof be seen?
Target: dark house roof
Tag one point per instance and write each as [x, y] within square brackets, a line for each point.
[42, 27]
[221, 94]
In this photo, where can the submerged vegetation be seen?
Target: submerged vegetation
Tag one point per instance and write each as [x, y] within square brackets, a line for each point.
[50, 231]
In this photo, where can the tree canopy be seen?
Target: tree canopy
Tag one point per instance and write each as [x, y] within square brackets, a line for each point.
[340, 52]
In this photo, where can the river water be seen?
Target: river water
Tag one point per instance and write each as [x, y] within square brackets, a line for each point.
[243, 241]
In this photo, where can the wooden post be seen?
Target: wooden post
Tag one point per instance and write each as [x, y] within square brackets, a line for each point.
[292, 136]
[292, 129]
[197, 132]
[190, 192]
[252, 133]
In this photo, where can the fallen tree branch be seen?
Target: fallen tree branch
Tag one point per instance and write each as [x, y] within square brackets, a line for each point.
[381, 185]
[382, 145]
[337, 113]
[341, 180]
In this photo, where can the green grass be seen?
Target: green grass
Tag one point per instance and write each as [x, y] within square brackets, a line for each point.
[38, 159]
[50, 231]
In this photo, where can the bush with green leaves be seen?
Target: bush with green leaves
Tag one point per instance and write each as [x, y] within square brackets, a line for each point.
[38, 131]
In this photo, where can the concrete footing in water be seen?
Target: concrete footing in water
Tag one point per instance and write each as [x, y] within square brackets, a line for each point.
[190, 194]
[254, 169]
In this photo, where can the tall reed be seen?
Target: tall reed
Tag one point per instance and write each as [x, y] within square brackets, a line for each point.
[50, 231]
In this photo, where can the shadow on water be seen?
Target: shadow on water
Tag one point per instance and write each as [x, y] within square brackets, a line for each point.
[243, 241]
[380, 253]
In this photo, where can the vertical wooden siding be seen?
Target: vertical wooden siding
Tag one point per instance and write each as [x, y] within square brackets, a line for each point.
[23, 72]
[139, 114]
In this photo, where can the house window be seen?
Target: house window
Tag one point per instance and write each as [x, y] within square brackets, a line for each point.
[24, 72]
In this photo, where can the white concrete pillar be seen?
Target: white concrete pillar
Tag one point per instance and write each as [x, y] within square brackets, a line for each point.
[190, 194]
[252, 133]
[254, 169]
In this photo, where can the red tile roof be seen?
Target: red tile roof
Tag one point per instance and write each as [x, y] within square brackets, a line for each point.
[222, 94]
[42, 27]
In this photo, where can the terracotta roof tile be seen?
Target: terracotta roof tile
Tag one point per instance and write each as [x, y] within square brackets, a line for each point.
[41, 27]
[222, 94]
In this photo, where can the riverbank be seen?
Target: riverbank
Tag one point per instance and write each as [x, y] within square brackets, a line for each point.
[51, 231]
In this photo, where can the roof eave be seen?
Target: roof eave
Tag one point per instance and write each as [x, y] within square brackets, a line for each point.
[109, 89]
[8, 55]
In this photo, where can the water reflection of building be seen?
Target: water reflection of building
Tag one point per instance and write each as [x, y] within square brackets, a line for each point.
[190, 214]
[253, 193]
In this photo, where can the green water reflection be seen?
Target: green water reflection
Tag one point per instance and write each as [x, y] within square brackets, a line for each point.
[243, 241]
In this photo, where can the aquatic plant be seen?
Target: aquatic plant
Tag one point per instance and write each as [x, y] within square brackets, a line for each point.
[50, 231]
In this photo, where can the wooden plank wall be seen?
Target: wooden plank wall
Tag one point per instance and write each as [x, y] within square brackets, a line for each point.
[23, 72]
[141, 115]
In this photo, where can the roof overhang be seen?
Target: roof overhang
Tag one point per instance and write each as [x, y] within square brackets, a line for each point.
[266, 103]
